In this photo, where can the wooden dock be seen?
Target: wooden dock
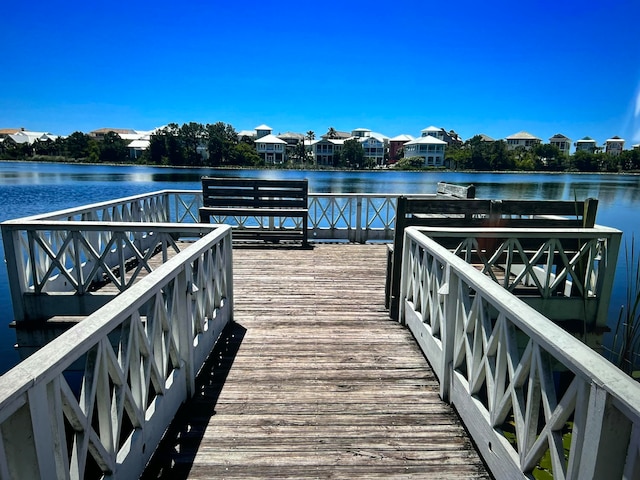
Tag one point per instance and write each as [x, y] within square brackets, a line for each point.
[314, 381]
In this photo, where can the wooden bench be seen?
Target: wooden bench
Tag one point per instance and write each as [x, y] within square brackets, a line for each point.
[443, 191]
[270, 210]
[460, 213]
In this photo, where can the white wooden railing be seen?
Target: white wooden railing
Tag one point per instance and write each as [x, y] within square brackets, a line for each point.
[565, 274]
[140, 355]
[530, 394]
[47, 259]
[332, 217]
[352, 217]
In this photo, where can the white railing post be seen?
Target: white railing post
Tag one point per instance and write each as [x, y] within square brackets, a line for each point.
[404, 275]
[185, 327]
[16, 270]
[447, 332]
[606, 437]
[359, 230]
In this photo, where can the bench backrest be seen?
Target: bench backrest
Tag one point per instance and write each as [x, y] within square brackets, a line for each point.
[254, 193]
[442, 212]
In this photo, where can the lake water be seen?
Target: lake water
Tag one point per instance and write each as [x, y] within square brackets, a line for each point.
[32, 188]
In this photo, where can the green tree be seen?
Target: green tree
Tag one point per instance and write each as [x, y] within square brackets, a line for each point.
[113, 149]
[222, 138]
[311, 135]
[585, 161]
[299, 152]
[193, 137]
[548, 157]
[410, 163]
[630, 159]
[476, 157]
[352, 154]
[165, 147]
[499, 156]
[77, 145]
[246, 155]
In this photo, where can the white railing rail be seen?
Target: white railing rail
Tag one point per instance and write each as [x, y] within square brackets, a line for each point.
[530, 394]
[140, 355]
[565, 274]
[45, 257]
[165, 206]
[356, 217]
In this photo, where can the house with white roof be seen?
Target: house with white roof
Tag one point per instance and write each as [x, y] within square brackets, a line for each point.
[137, 147]
[271, 149]
[522, 139]
[434, 132]
[429, 148]
[324, 149]
[374, 145]
[263, 130]
[586, 144]
[563, 143]
[614, 145]
[395, 146]
[374, 149]
[29, 137]
[441, 134]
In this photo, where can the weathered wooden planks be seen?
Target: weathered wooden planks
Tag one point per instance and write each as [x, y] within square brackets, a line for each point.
[314, 381]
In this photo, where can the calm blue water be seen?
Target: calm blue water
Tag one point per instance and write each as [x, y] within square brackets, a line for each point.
[31, 188]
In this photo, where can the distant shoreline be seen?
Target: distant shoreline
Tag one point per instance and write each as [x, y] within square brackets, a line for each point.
[380, 170]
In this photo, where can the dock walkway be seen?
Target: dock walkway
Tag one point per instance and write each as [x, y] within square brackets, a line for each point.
[314, 381]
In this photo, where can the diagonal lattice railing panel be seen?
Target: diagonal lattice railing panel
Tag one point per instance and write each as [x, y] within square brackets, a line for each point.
[98, 398]
[532, 396]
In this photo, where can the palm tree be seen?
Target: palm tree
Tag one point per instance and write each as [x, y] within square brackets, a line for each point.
[311, 135]
[332, 133]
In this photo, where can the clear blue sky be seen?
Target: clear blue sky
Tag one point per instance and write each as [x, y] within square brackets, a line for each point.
[547, 67]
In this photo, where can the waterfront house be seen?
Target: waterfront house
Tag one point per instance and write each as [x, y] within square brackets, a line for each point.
[374, 145]
[124, 133]
[614, 145]
[29, 137]
[432, 131]
[137, 147]
[563, 143]
[522, 139]
[263, 130]
[292, 138]
[396, 144]
[324, 149]
[373, 150]
[450, 137]
[271, 149]
[586, 144]
[429, 148]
